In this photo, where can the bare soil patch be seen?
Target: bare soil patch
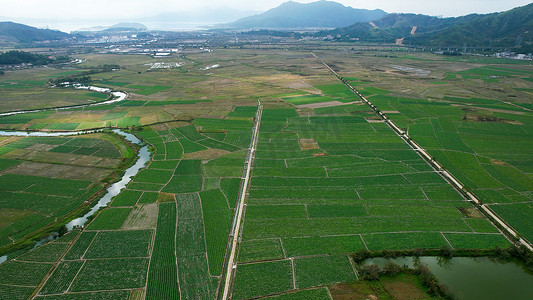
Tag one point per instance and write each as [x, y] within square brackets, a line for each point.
[8, 140]
[142, 217]
[471, 212]
[107, 162]
[390, 112]
[403, 290]
[320, 154]
[166, 197]
[25, 154]
[59, 171]
[352, 292]
[498, 162]
[512, 112]
[88, 161]
[489, 119]
[41, 147]
[308, 144]
[10, 215]
[326, 104]
[208, 154]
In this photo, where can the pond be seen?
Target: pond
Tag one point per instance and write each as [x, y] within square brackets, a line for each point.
[474, 278]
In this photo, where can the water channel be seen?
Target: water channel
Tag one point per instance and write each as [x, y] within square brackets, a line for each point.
[474, 278]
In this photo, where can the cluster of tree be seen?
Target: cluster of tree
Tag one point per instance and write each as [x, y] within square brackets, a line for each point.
[70, 79]
[105, 68]
[22, 57]
[83, 77]
[452, 53]
[1, 72]
[524, 48]
[430, 282]
[520, 253]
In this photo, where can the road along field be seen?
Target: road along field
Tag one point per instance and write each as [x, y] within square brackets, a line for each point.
[477, 123]
[361, 187]
[173, 218]
[495, 219]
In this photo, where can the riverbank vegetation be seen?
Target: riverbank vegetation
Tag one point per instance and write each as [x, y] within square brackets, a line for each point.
[45, 181]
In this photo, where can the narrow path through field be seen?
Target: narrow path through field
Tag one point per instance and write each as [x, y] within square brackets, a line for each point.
[237, 220]
[493, 217]
[54, 267]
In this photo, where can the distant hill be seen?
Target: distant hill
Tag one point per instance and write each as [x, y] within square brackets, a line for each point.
[395, 26]
[20, 33]
[128, 27]
[208, 15]
[510, 28]
[498, 29]
[321, 14]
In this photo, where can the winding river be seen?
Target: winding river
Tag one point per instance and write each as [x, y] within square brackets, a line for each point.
[142, 157]
[117, 97]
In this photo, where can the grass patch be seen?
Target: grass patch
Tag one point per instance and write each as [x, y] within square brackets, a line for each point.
[120, 244]
[333, 269]
[110, 219]
[262, 279]
[110, 274]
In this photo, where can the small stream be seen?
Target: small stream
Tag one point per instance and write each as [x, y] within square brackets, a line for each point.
[117, 97]
[142, 158]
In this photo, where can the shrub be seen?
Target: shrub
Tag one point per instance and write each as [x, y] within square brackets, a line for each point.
[446, 252]
[370, 272]
[391, 269]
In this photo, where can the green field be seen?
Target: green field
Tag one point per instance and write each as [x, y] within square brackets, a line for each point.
[326, 182]
[44, 179]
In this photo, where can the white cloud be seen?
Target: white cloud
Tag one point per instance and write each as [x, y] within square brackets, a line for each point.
[98, 9]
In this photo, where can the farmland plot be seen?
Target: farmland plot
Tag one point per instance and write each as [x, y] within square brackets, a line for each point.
[44, 179]
[481, 136]
[327, 181]
[372, 192]
[20, 277]
[162, 278]
[201, 209]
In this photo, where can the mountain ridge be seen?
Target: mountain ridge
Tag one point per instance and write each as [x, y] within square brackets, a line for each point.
[20, 33]
[319, 14]
[479, 30]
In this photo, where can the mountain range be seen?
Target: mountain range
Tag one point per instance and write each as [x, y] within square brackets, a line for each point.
[507, 29]
[320, 14]
[511, 29]
[19, 33]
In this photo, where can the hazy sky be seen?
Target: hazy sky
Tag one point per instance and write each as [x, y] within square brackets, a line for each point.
[83, 9]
